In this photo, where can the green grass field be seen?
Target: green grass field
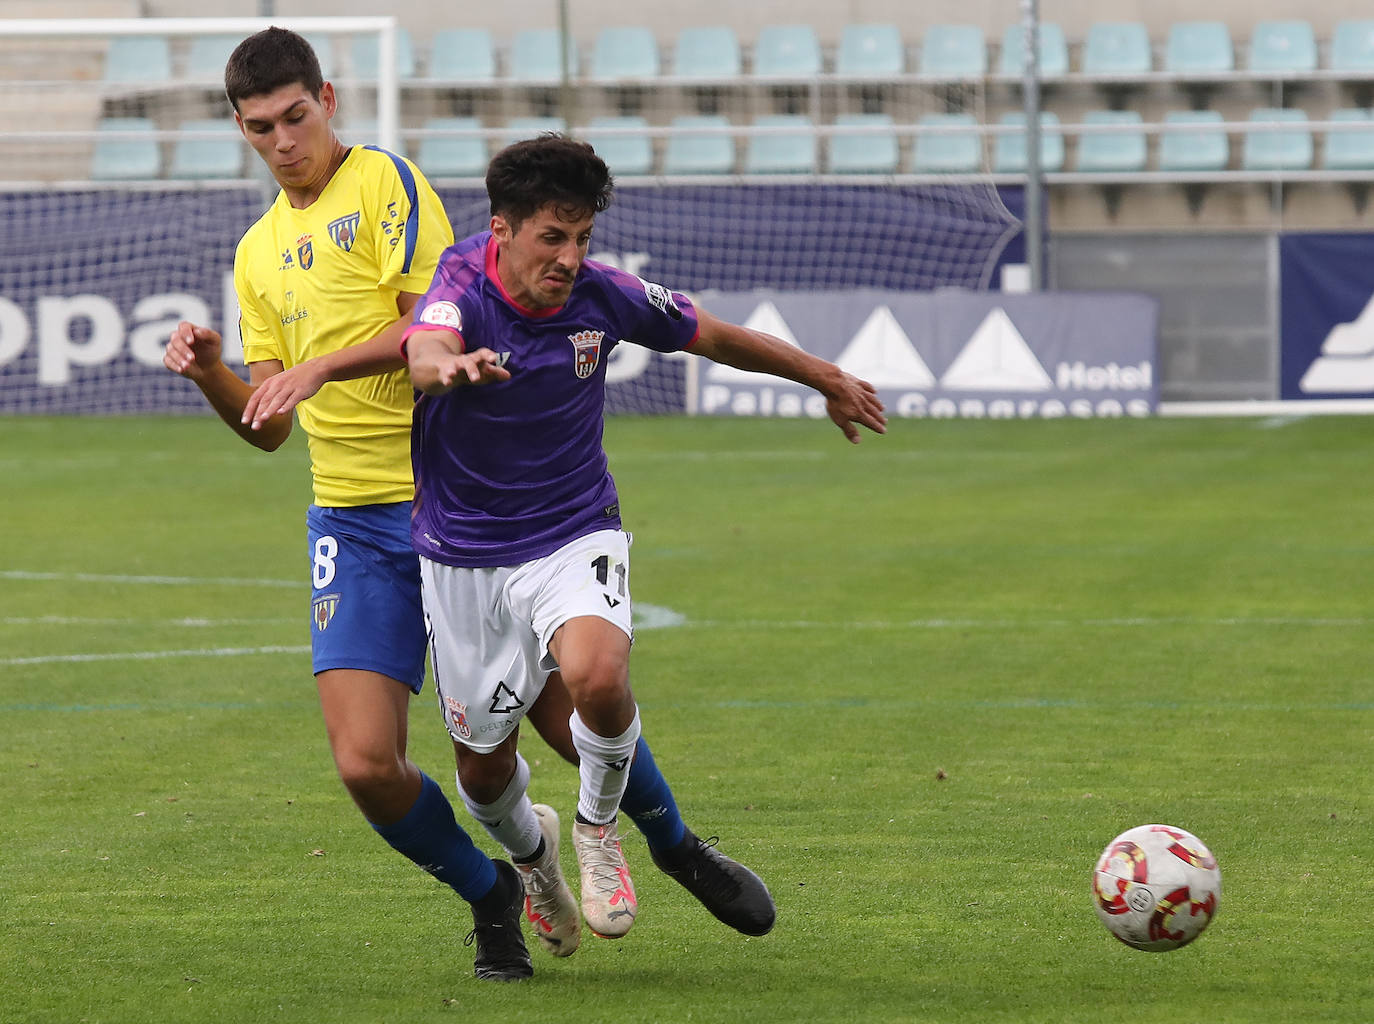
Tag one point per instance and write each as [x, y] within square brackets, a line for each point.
[916, 684]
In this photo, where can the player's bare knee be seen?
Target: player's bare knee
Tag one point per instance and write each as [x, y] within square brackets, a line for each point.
[368, 778]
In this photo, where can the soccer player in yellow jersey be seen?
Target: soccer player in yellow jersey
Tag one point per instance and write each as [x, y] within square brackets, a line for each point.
[326, 282]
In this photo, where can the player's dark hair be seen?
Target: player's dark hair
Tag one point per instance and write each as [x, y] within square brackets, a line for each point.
[268, 60]
[527, 176]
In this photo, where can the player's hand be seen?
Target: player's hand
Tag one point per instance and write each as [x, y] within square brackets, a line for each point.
[853, 402]
[481, 366]
[282, 392]
[192, 350]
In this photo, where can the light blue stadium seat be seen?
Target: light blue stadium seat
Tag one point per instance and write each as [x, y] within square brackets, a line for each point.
[1009, 151]
[219, 157]
[1350, 147]
[710, 51]
[787, 51]
[118, 158]
[462, 55]
[1054, 50]
[324, 51]
[363, 51]
[518, 128]
[1112, 152]
[1352, 45]
[453, 156]
[954, 51]
[790, 152]
[625, 154]
[1199, 47]
[534, 56]
[139, 59]
[866, 153]
[357, 131]
[624, 51]
[700, 152]
[1286, 150]
[207, 56]
[1117, 48]
[947, 152]
[1196, 143]
[1283, 46]
[870, 50]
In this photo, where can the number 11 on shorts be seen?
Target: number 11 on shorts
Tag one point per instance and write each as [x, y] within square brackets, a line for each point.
[605, 568]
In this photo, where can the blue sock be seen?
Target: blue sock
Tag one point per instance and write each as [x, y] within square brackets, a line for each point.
[649, 802]
[431, 837]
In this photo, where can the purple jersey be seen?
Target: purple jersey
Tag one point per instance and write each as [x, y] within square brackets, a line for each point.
[513, 470]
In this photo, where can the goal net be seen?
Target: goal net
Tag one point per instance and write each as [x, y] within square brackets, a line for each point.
[124, 188]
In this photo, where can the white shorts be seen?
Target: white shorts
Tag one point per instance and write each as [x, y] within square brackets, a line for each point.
[489, 629]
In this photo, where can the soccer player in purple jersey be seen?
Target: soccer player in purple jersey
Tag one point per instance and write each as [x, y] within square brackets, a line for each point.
[524, 564]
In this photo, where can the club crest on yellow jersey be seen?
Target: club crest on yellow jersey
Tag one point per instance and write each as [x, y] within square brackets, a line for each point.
[305, 252]
[344, 231]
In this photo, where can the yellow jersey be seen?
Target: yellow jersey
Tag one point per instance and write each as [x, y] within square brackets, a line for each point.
[317, 280]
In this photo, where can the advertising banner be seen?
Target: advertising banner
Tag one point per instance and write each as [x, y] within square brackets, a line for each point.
[1327, 318]
[951, 354]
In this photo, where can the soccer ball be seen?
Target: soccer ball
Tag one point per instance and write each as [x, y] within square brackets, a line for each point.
[1156, 887]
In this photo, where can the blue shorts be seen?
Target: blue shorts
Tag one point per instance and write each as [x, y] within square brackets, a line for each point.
[365, 608]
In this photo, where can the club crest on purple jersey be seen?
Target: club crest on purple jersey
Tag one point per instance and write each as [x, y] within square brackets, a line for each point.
[588, 347]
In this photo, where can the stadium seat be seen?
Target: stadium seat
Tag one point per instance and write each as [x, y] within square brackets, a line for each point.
[1009, 149]
[1195, 143]
[139, 59]
[625, 152]
[700, 152]
[1286, 150]
[711, 51]
[534, 56]
[462, 55]
[518, 128]
[117, 158]
[1112, 152]
[452, 156]
[624, 51]
[200, 158]
[872, 152]
[936, 152]
[363, 51]
[787, 51]
[1117, 48]
[1054, 51]
[1350, 147]
[1199, 47]
[954, 51]
[207, 56]
[875, 50]
[324, 52]
[778, 152]
[1352, 45]
[1283, 47]
[357, 131]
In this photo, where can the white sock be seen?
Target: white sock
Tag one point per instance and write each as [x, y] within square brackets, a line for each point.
[604, 768]
[510, 819]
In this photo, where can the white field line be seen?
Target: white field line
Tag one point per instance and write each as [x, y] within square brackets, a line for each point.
[200, 652]
[186, 623]
[1012, 624]
[176, 581]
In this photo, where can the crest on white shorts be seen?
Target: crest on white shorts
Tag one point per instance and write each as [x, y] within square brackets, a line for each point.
[587, 345]
[458, 711]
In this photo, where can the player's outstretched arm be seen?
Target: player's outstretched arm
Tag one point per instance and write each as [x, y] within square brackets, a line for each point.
[851, 402]
[438, 364]
[282, 392]
[194, 353]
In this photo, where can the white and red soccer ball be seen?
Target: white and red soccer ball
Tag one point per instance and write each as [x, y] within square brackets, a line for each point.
[1156, 887]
